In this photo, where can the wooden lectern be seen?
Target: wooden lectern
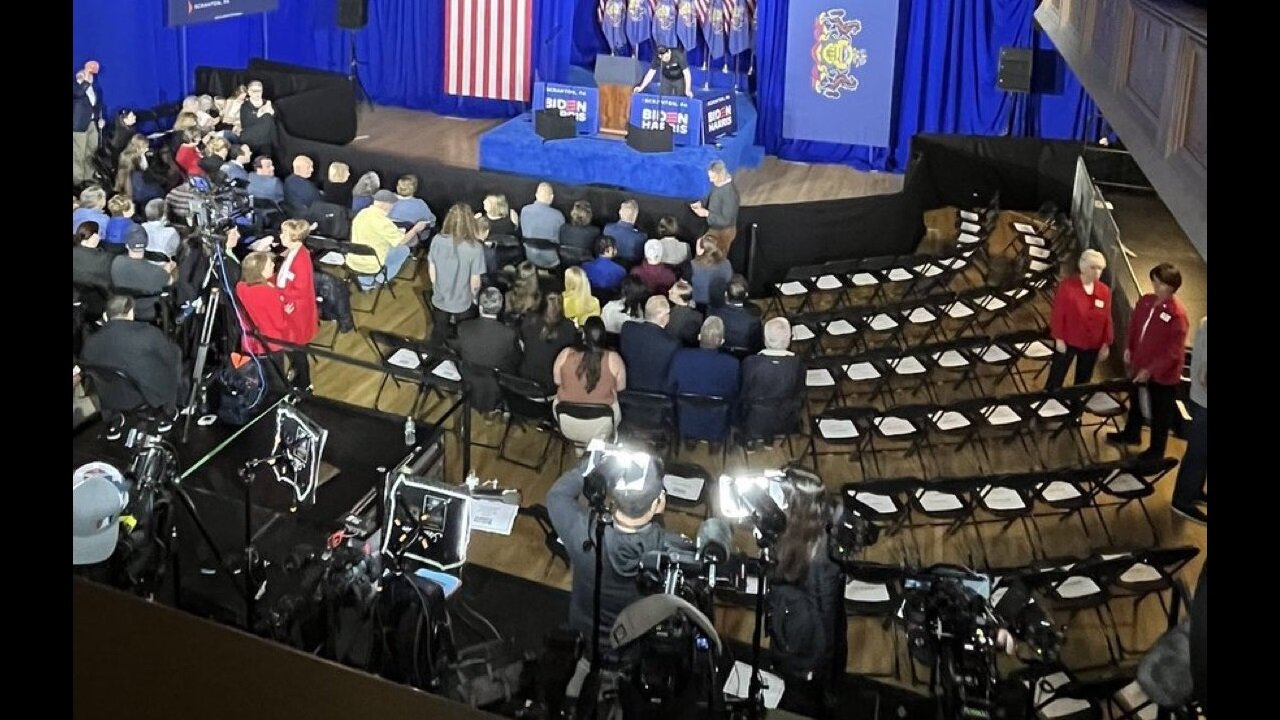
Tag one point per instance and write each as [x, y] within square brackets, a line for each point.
[616, 76]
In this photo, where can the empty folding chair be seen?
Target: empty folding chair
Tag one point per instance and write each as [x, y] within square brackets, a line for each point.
[905, 424]
[1067, 493]
[1133, 480]
[1009, 499]
[823, 383]
[942, 503]
[1154, 572]
[648, 418]
[839, 431]
[528, 405]
[874, 590]
[689, 487]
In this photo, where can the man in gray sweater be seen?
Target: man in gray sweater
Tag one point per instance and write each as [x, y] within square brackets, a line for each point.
[720, 207]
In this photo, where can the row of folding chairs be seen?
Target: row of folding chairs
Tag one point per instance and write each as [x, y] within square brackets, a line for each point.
[331, 255]
[1032, 419]
[937, 318]
[1009, 499]
[1065, 587]
[869, 376]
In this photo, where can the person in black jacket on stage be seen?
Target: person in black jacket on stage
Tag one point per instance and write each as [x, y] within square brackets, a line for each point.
[674, 68]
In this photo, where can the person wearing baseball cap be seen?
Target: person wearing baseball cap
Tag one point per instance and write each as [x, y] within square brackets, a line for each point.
[99, 495]
[86, 122]
[390, 244]
[134, 274]
[674, 68]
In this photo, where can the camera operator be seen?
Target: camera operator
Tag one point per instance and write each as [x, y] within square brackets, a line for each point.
[637, 498]
[807, 623]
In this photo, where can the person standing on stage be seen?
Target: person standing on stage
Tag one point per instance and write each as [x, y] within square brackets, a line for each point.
[720, 207]
[674, 69]
[86, 122]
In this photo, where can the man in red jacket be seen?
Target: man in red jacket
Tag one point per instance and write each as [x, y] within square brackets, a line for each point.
[1153, 358]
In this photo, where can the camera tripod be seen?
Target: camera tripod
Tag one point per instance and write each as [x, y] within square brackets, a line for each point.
[353, 74]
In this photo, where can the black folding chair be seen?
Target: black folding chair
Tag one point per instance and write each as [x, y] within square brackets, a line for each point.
[528, 405]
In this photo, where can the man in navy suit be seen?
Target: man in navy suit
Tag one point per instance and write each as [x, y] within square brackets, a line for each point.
[647, 349]
[772, 386]
[86, 122]
[705, 371]
[741, 319]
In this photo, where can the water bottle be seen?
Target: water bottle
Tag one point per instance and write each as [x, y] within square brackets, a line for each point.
[410, 431]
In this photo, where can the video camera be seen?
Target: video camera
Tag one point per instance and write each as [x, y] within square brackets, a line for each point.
[215, 209]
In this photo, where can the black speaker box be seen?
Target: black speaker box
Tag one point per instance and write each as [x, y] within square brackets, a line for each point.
[1015, 69]
[353, 14]
[650, 141]
[551, 126]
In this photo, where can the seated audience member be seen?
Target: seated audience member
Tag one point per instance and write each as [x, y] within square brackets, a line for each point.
[705, 371]
[525, 296]
[178, 133]
[362, 192]
[145, 354]
[647, 349]
[485, 344]
[543, 336]
[772, 385]
[685, 322]
[541, 221]
[710, 274]
[337, 185]
[578, 236]
[263, 183]
[604, 273]
[93, 200]
[132, 179]
[188, 153]
[656, 276]
[90, 264]
[628, 308]
[502, 219]
[409, 209]
[212, 167]
[624, 232]
[579, 303]
[741, 319]
[675, 252]
[238, 158]
[206, 113]
[178, 202]
[590, 373]
[372, 228]
[121, 208]
[257, 120]
[160, 237]
[133, 274]
[299, 191]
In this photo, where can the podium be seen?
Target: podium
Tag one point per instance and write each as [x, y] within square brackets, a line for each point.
[616, 76]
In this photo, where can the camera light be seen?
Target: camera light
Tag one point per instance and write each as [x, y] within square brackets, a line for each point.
[732, 487]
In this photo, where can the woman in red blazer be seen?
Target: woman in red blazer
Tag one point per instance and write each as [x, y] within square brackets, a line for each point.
[1153, 357]
[296, 281]
[1081, 322]
[188, 155]
[261, 306]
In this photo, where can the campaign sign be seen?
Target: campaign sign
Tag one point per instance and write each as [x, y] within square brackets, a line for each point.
[657, 112]
[720, 115]
[575, 101]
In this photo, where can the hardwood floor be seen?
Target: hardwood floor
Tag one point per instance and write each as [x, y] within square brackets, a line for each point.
[871, 646]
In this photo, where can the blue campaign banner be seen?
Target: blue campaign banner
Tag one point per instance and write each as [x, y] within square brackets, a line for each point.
[840, 65]
[683, 115]
[576, 101]
[720, 115]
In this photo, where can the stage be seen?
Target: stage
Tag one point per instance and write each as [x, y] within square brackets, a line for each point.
[513, 147]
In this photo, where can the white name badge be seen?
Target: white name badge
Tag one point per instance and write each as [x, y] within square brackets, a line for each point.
[1097, 302]
[1166, 317]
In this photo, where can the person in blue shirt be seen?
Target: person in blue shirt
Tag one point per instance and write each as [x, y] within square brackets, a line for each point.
[92, 201]
[603, 272]
[299, 191]
[410, 210]
[263, 183]
[629, 238]
[705, 370]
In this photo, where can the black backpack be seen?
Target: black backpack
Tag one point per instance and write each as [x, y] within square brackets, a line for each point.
[416, 641]
[240, 392]
[800, 644]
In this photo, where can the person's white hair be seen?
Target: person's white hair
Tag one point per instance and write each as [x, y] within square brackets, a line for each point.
[94, 198]
[777, 334]
[711, 337]
[628, 210]
[1092, 257]
[655, 307]
[653, 251]
[545, 193]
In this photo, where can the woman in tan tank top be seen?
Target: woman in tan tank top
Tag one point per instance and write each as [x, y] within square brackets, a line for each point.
[590, 373]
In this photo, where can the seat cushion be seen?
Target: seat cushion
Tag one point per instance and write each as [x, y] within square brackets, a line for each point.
[837, 428]
[957, 310]
[909, 365]
[1036, 350]
[951, 359]
[921, 315]
[863, 279]
[882, 322]
[828, 282]
[1051, 408]
[892, 426]
[792, 288]
[883, 504]
[841, 327]
[933, 501]
[1059, 491]
[1003, 498]
[946, 420]
[1001, 415]
[863, 592]
[862, 371]
[1103, 404]
[819, 377]
[899, 275]
[801, 332]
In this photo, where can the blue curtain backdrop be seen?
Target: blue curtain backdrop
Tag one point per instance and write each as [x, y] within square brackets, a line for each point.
[401, 49]
[948, 55]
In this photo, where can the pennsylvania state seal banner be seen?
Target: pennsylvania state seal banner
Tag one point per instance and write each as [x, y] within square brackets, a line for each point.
[840, 63]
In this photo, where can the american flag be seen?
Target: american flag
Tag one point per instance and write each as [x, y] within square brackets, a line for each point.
[701, 6]
[488, 47]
